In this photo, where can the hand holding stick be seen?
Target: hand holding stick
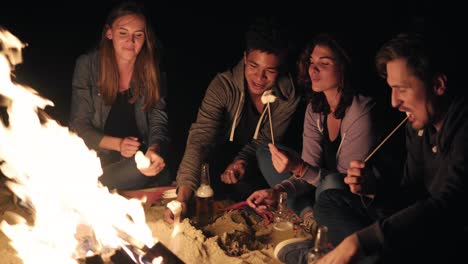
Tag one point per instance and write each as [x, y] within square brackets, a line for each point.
[364, 203]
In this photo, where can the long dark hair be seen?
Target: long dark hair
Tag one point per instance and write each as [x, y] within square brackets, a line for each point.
[317, 99]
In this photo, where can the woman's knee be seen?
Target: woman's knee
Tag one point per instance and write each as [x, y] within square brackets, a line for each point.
[331, 181]
[334, 199]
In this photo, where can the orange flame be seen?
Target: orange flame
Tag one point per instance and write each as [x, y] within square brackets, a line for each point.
[52, 171]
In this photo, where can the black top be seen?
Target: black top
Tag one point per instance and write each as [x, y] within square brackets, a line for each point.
[329, 148]
[121, 120]
[247, 123]
[223, 154]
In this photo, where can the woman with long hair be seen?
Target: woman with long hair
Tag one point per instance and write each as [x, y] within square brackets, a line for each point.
[118, 104]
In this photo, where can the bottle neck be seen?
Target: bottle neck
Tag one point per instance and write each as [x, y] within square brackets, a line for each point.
[281, 214]
[205, 175]
[321, 239]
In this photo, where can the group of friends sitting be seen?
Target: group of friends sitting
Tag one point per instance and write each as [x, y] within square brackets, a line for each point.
[379, 207]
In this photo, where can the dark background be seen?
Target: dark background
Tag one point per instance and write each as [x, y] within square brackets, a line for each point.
[200, 40]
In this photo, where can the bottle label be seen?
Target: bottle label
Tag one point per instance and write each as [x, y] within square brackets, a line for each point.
[204, 191]
[204, 210]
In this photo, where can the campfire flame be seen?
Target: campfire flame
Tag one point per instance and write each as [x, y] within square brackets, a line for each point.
[54, 174]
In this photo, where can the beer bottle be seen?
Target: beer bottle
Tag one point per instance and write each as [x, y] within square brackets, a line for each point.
[320, 246]
[204, 198]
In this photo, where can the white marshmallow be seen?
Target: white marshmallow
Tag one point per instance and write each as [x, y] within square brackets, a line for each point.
[141, 160]
[268, 97]
[175, 207]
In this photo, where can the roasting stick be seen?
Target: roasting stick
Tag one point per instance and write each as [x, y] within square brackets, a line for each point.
[385, 139]
[267, 98]
[271, 125]
[366, 205]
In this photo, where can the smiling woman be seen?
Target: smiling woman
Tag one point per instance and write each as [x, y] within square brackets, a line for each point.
[128, 36]
[118, 101]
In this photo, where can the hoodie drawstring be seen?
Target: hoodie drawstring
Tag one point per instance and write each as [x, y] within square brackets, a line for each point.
[339, 147]
[319, 126]
[257, 129]
[236, 116]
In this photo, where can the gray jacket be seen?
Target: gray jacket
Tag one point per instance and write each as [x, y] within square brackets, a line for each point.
[218, 117]
[89, 112]
[358, 136]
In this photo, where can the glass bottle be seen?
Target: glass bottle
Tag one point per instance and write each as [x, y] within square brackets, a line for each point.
[204, 198]
[283, 227]
[282, 214]
[320, 246]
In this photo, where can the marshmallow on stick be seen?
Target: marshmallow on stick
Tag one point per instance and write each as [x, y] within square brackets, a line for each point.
[267, 98]
[141, 160]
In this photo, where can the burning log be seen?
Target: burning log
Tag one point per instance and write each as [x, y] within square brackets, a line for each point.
[159, 253]
[159, 250]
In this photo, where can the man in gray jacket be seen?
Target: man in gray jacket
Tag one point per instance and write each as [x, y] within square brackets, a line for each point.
[232, 121]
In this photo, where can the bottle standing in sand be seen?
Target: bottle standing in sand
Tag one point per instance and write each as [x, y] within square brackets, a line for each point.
[320, 247]
[204, 198]
[283, 228]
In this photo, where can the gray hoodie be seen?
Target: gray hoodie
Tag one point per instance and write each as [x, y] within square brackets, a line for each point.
[358, 136]
[218, 117]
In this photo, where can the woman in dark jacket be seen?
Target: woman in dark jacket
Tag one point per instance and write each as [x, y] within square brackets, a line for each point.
[118, 106]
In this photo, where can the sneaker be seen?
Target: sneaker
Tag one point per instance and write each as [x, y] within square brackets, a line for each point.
[293, 250]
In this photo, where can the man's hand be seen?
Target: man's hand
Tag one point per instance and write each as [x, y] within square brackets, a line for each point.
[260, 200]
[234, 172]
[169, 216]
[347, 251]
[184, 194]
[359, 179]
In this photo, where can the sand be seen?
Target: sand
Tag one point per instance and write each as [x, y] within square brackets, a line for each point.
[192, 246]
[7, 208]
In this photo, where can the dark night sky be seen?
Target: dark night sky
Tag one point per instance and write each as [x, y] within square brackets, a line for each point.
[198, 42]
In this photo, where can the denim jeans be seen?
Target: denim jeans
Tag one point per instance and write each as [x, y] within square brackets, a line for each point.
[304, 201]
[343, 213]
[122, 174]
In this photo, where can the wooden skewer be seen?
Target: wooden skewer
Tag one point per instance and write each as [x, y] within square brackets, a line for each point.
[271, 125]
[385, 139]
